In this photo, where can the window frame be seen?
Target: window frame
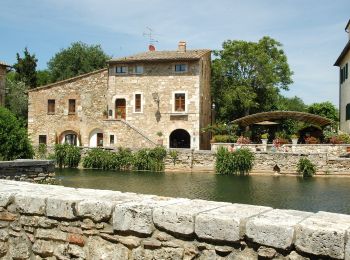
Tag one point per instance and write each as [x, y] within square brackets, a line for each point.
[141, 102]
[49, 112]
[181, 65]
[174, 110]
[138, 72]
[42, 136]
[121, 71]
[69, 106]
[111, 137]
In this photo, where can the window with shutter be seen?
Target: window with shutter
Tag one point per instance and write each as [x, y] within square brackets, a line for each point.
[346, 71]
[180, 102]
[51, 106]
[137, 102]
[347, 117]
[71, 106]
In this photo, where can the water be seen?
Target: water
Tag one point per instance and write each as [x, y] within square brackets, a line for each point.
[290, 192]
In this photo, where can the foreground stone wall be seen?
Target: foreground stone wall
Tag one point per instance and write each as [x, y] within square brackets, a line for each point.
[54, 222]
[42, 171]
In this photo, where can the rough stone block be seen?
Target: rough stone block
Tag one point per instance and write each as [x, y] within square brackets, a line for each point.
[180, 218]
[5, 198]
[323, 234]
[43, 248]
[102, 249]
[161, 253]
[226, 223]
[62, 207]
[95, 209]
[275, 228]
[51, 234]
[31, 203]
[137, 215]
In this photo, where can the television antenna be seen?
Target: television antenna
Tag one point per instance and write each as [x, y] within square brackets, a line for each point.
[150, 35]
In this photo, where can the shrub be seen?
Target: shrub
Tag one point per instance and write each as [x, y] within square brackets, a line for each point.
[240, 161]
[243, 140]
[67, 155]
[306, 167]
[265, 136]
[41, 152]
[150, 159]
[224, 139]
[14, 142]
[125, 158]
[98, 158]
[174, 155]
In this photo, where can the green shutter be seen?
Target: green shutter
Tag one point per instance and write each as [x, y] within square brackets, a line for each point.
[346, 71]
[347, 114]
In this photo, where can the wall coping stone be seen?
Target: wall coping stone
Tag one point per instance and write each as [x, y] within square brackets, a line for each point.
[323, 234]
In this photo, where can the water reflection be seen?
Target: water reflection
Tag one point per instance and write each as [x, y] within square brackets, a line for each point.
[314, 194]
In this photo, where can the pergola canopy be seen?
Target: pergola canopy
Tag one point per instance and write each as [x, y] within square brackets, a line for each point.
[278, 115]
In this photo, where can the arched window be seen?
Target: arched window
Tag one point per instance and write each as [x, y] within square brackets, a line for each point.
[180, 138]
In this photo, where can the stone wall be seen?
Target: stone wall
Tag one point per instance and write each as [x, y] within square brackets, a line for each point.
[40, 171]
[54, 222]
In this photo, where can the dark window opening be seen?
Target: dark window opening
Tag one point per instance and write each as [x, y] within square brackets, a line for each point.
[137, 102]
[70, 139]
[180, 138]
[100, 139]
[51, 106]
[121, 69]
[347, 114]
[42, 139]
[180, 67]
[111, 139]
[71, 106]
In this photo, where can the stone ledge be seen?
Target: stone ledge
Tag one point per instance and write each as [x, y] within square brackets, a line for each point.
[313, 234]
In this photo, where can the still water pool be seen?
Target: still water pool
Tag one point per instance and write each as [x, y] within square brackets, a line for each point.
[291, 192]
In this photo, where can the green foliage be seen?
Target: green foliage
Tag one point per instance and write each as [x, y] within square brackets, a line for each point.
[224, 138]
[41, 151]
[174, 155]
[150, 159]
[14, 142]
[291, 104]
[43, 77]
[265, 136]
[240, 161]
[325, 109]
[336, 137]
[221, 129]
[67, 155]
[77, 59]
[306, 168]
[125, 158]
[99, 158]
[247, 77]
[26, 69]
[16, 98]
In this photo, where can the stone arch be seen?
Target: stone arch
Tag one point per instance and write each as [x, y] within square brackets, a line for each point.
[96, 137]
[179, 138]
[69, 137]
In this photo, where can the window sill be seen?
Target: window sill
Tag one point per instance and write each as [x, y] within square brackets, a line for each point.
[50, 114]
[179, 113]
[71, 114]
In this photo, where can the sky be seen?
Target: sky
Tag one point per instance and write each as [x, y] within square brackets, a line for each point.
[311, 31]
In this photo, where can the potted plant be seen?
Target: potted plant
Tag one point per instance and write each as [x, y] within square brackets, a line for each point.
[294, 139]
[264, 138]
[119, 113]
[160, 140]
[105, 114]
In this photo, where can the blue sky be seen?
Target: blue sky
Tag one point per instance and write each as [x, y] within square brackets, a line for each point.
[311, 31]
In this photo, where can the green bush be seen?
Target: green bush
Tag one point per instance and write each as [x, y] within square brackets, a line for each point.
[149, 159]
[14, 142]
[125, 158]
[41, 151]
[306, 167]
[224, 138]
[98, 158]
[238, 162]
[174, 155]
[67, 155]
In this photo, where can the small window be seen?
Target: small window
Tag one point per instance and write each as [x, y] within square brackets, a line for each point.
[111, 139]
[137, 102]
[121, 69]
[346, 71]
[180, 68]
[71, 106]
[180, 99]
[42, 139]
[51, 106]
[347, 114]
[138, 69]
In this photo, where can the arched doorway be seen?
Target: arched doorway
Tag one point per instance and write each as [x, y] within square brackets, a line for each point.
[180, 138]
[69, 137]
[120, 108]
[96, 138]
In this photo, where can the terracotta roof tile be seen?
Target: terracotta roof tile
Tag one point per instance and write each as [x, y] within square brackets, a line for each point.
[163, 56]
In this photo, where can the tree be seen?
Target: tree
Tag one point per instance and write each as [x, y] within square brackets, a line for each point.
[291, 104]
[249, 75]
[17, 98]
[26, 69]
[44, 77]
[14, 142]
[75, 60]
[325, 109]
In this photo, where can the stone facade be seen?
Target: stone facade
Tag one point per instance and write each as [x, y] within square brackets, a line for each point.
[129, 103]
[54, 222]
[3, 70]
[343, 62]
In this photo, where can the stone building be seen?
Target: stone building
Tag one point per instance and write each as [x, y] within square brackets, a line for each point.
[138, 101]
[3, 70]
[344, 84]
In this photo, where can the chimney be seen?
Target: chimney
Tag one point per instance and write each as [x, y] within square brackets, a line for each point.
[182, 46]
[151, 47]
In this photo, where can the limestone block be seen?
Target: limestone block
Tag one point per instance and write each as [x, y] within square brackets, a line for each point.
[51, 234]
[137, 215]
[102, 249]
[226, 223]
[161, 253]
[323, 234]
[43, 248]
[4, 235]
[62, 206]
[95, 209]
[5, 198]
[30, 203]
[347, 246]
[19, 248]
[275, 228]
[180, 218]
